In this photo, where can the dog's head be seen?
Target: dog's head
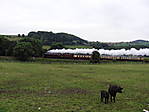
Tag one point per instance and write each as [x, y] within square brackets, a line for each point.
[115, 88]
[119, 89]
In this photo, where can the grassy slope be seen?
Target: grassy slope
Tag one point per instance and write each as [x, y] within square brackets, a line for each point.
[77, 46]
[14, 38]
[11, 37]
[131, 44]
[69, 46]
[71, 87]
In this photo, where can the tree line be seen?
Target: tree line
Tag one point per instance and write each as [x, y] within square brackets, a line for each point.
[127, 45]
[48, 38]
[22, 49]
[25, 48]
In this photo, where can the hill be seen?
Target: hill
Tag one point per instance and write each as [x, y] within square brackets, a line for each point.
[140, 41]
[133, 44]
[72, 41]
[49, 37]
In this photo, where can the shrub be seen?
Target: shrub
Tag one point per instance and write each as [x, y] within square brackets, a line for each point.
[95, 58]
[23, 51]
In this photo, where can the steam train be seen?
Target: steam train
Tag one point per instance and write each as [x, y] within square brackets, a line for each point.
[88, 57]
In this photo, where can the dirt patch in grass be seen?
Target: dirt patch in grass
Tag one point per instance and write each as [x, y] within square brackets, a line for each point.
[42, 93]
[81, 77]
[18, 92]
[73, 91]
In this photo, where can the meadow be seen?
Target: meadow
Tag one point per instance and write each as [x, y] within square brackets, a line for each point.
[70, 47]
[35, 87]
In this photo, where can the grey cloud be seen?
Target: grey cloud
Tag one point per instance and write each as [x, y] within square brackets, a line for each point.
[102, 20]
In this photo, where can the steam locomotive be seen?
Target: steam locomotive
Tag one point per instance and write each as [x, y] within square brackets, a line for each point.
[88, 57]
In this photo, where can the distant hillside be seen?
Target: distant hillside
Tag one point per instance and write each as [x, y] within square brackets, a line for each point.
[49, 37]
[72, 41]
[133, 44]
[140, 41]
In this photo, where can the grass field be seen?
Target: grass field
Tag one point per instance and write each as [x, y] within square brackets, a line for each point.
[33, 87]
[70, 46]
[46, 47]
[78, 46]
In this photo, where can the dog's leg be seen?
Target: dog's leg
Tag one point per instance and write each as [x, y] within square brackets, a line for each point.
[105, 100]
[111, 98]
[101, 99]
[114, 99]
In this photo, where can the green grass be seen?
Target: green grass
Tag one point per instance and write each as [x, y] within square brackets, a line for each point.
[11, 37]
[14, 38]
[46, 47]
[70, 46]
[78, 46]
[24, 87]
[131, 44]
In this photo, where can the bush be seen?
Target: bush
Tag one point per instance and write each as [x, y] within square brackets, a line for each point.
[6, 46]
[36, 46]
[95, 58]
[23, 51]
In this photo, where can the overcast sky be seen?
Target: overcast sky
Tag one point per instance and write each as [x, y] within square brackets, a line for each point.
[93, 20]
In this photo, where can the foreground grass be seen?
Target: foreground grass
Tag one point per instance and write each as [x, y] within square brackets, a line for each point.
[32, 87]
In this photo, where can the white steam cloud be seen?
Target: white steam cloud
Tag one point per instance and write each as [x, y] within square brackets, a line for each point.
[132, 51]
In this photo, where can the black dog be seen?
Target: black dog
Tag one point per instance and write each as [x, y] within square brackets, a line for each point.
[104, 96]
[113, 90]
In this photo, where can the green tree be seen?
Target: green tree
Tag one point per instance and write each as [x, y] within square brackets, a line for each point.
[9, 51]
[37, 46]
[95, 58]
[19, 35]
[23, 50]
[4, 46]
[48, 38]
[23, 35]
[99, 45]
